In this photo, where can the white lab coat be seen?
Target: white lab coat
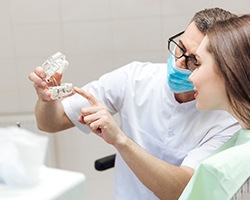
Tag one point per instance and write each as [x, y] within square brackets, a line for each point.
[150, 115]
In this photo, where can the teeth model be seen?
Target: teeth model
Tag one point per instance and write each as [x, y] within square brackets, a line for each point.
[57, 63]
[59, 92]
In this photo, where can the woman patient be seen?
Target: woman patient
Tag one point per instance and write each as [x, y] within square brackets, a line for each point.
[222, 82]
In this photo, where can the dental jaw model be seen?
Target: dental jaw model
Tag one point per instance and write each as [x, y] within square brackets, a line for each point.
[61, 91]
[57, 63]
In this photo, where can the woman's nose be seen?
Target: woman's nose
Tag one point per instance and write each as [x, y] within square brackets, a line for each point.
[190, 78]
[180, 62]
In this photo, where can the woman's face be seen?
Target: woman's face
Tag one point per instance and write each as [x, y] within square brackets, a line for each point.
[209, 86]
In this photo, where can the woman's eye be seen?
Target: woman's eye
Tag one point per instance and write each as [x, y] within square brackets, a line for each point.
[196, 62]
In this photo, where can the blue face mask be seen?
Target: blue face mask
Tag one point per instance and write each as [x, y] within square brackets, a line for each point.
[178, 77]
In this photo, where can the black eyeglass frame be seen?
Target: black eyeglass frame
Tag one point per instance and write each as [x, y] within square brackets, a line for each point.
[192, 57]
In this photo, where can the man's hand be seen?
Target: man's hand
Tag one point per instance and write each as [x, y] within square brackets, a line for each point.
[41, 86]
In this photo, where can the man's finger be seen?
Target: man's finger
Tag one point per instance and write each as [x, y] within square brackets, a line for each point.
[91, 99]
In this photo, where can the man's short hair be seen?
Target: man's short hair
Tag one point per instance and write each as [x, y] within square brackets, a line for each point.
[206, 18]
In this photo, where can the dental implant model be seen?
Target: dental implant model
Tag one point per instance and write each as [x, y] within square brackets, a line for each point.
[57, 63]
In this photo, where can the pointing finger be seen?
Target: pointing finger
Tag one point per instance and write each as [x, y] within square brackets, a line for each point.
[91, 99]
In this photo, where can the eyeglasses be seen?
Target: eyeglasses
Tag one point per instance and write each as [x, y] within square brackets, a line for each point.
[177, 51]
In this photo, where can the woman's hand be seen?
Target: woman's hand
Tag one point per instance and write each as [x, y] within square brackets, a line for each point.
[99, 119]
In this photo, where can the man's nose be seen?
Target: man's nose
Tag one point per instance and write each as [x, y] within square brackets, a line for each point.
[180, 62]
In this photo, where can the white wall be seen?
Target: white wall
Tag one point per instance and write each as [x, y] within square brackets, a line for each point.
[97, 36]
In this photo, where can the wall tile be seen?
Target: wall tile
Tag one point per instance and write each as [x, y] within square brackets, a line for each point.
[23, 67]
[135, 8]
[30, 11]
[5, 16]
[172, 7]
[137, 35]
[6, 41]
[121, 59]
[8, 76]
[37, 40]
[87, 37]
[77, 10]
[238, 7]
[27, 99]
[9, 102]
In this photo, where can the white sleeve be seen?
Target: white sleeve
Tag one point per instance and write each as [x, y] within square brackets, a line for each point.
[110, 90]
[218, 134]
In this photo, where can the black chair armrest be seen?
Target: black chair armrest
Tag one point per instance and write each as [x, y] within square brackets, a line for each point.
[105, 163]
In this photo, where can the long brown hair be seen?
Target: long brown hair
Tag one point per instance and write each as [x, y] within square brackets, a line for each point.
[229, 44]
